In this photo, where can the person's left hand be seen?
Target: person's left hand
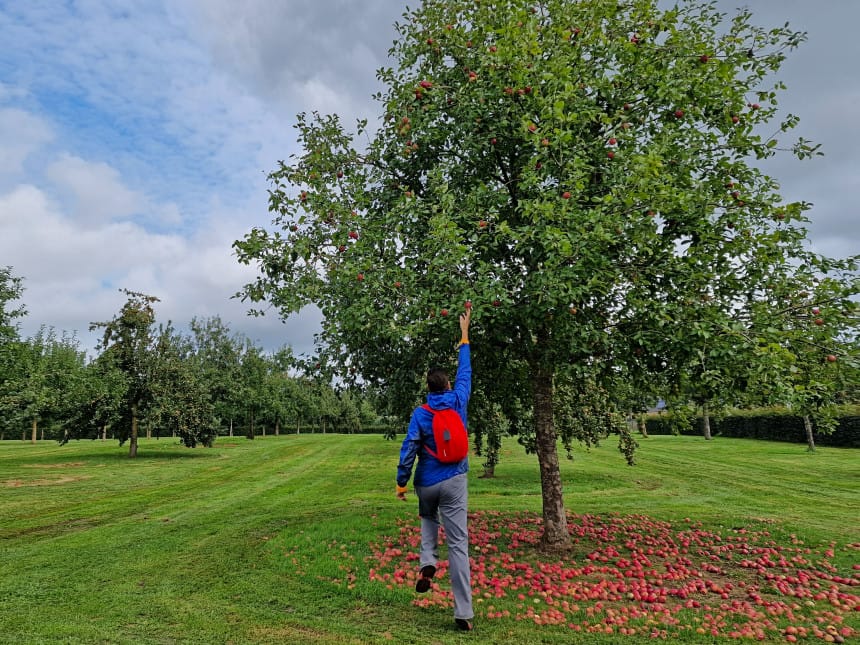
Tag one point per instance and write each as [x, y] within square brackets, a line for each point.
[401, 493]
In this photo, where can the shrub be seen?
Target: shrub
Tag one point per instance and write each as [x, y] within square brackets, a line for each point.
[769, 424]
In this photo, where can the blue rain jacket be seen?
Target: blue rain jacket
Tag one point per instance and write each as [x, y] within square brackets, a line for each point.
[430, 470]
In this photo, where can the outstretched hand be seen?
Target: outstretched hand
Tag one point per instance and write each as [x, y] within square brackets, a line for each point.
[465, 319]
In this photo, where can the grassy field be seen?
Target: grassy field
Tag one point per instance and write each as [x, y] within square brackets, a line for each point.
[274, 540]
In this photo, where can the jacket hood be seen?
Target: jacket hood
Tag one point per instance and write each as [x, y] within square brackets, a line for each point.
[441, 400]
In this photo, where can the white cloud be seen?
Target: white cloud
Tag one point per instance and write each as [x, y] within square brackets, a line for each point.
[93, 191]
[21, 134]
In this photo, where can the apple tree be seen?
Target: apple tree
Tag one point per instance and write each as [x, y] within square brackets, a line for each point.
[126, 346]
[581, 172]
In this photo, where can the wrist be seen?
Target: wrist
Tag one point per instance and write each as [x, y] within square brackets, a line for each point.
[464, 340]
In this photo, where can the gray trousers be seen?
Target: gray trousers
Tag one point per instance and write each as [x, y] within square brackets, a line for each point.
[448, 500]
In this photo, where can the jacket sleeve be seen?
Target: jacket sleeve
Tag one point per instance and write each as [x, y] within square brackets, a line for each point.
[408, 452]
[463, 380]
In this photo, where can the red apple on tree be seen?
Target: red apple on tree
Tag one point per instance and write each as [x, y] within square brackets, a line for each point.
[565, 195]
[831, 358]
[444, 312]
[359, 277]
[468, 304]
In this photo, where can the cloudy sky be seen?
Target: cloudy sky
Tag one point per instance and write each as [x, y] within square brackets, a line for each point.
[135, 136]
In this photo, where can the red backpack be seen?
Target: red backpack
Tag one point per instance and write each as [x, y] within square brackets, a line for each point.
[452, 440]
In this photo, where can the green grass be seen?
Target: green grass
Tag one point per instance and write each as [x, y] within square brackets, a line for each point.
[258, 541]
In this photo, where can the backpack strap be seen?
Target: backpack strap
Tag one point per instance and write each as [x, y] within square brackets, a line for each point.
[432, 412]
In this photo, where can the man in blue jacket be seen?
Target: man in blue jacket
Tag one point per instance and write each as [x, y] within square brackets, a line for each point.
[442, 488]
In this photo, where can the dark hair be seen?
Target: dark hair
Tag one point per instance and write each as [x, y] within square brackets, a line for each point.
[437, 379]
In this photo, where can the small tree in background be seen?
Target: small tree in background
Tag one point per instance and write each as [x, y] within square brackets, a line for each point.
[126, 345]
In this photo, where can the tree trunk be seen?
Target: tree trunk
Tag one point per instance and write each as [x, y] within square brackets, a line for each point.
[132, 444]
[706, 422]
[104, 432]
[277, 427]
[34, 428]
[555, 535]
[489, 472]
[643, 426]
[231, 427]
[298, 426]
[807, 425]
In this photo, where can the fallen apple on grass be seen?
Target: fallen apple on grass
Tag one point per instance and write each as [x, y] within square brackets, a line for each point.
[633, 575]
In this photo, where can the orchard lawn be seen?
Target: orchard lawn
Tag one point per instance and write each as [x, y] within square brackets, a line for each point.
[300, 539]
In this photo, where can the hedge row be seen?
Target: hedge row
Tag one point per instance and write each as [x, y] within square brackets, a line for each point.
[769, 425]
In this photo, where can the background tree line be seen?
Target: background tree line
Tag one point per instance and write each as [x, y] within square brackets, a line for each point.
[149, 379]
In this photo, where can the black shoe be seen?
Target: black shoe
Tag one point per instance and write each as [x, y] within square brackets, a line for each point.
[427, 574]
[463, 624]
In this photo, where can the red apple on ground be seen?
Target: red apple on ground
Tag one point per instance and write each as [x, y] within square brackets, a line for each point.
[532, 127]
[497, 303]
[612, 141]
[831, 358]
[544, 142]
[340, 174]
[611, 154]
[353, 235]
[819, 321]
[359, 277]
[815, 310]
[565, 195]
[398, 284]
[679, 113]
[482, 223]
